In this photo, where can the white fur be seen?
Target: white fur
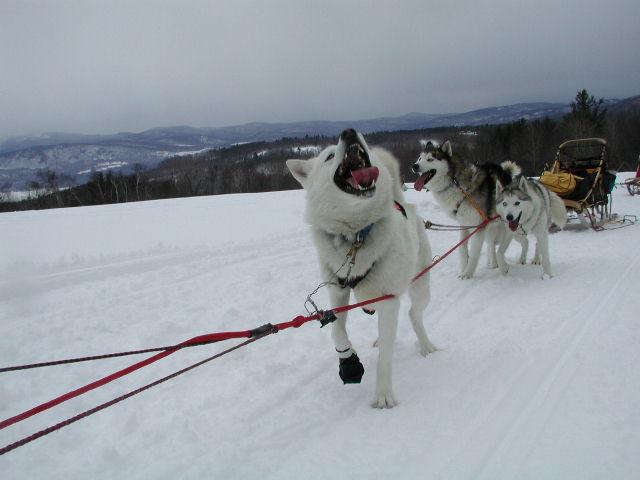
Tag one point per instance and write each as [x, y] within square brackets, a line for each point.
[537, 208]
[449, 196]
[394, 251]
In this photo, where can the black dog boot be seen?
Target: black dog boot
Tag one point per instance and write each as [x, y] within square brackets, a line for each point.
[351, 370]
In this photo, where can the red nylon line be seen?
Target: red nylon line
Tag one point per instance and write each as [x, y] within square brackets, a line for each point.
[452, 249]
[120, 373]
[91, 411]
[216, 337]
[301, 320]
[346, 308]
[298, 321]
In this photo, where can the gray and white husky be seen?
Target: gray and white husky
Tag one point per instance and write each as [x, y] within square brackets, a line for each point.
[354, 197]
[449, 178]
[527, 206]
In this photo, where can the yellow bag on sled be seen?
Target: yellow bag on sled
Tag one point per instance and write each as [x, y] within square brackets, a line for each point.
[562, 183]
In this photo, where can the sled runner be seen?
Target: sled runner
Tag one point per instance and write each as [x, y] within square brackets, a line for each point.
[580, 177]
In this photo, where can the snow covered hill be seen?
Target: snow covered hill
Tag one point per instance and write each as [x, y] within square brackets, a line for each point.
[533, 380]
[68, 153]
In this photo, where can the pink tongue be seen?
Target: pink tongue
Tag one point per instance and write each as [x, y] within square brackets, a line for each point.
[513, 226]
[420, 182]
[364, 176]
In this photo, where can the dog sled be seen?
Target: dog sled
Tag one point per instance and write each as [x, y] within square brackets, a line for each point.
[633, 185]
[579, 176]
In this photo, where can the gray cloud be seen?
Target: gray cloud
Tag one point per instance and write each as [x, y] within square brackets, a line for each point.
[106, 66]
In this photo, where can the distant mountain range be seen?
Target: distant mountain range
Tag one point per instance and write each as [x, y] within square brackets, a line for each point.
[76, 155]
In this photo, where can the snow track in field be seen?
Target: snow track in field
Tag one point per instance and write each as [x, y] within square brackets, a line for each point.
[533, 379]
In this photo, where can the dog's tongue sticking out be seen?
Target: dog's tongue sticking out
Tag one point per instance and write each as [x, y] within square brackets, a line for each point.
[363, 177]
[419, 184]
[513, 225]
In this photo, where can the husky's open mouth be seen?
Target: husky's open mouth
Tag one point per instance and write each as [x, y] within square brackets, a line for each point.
[424, 179]
[355, 175]
[513, 224]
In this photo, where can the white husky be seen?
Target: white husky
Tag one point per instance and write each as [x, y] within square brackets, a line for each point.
[467, 194]
[369, 241]
[528, 207]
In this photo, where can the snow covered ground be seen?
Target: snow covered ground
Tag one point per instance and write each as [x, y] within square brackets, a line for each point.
[533, 380]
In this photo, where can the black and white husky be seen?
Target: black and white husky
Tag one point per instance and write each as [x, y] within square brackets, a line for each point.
[355, 200]
[452, 181]
[527, 206]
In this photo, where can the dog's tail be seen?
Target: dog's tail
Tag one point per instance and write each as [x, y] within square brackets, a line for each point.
[503, 173]
[558, 210]
[511, 168]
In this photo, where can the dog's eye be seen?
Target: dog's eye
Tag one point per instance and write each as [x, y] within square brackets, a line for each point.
[517, 203]
[331, 155]
[504, 204]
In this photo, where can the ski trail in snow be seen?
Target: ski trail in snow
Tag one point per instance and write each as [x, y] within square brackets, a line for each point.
[510, 417]
[525, 431]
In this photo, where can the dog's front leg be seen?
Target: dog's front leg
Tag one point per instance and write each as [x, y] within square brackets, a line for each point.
[504, 244]
[474, 254]
[339, 297]
[387, 326]
[464, 252]
[524, 242]
[542, 240]
[350, 368]
[536, 254]
[492, 237]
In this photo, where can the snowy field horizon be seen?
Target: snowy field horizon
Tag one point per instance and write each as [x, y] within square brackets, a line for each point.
[533, 379]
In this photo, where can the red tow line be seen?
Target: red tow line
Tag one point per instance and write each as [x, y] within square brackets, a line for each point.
[254, 334]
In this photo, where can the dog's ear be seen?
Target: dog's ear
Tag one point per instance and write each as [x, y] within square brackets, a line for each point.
[300, 169]
[499, 188]
[522, 184]
[429, 144]
[446, 148]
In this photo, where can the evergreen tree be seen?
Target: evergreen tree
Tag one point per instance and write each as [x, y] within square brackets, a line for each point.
[587, 117]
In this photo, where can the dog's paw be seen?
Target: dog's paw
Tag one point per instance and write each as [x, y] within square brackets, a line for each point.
[384, 400]
[522, 261]
[427, 349]
[546, 276]
[351, 369]
[535, 261]
[504, 270]
[465, 275]
[492, 264]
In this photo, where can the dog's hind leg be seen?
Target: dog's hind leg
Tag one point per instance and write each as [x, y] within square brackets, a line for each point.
[474, 254]
[420, 295]
[387, 327]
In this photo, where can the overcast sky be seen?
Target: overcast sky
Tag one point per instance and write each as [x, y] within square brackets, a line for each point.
[107, 66]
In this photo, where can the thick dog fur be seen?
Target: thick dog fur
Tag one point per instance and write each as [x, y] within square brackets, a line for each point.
[395, 249]
[439, 170]
[527, 206]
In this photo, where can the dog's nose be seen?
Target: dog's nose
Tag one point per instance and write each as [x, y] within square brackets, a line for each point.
[509, 218]
[415, 168]
[349, 135]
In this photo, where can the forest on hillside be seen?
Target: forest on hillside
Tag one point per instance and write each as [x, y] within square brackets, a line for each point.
[260, 166]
